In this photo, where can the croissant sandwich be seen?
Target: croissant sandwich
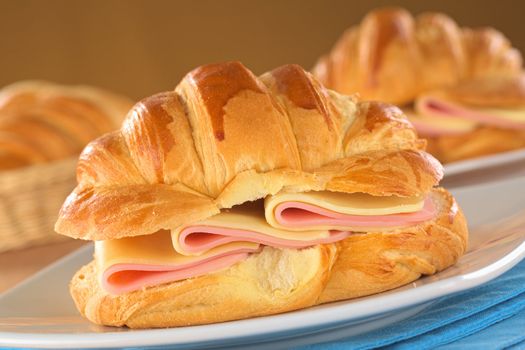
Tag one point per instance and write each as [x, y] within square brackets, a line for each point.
[237, 196]
[392, 56]
[473, 118]
[41, 122]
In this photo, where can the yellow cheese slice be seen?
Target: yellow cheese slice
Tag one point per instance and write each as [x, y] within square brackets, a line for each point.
[154, 249]
[514, 115]
[344, 203]
[455, 125]
[446, 124]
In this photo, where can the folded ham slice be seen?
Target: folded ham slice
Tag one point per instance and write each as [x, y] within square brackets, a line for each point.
[123, 278]
[436, 116]
[342, 211]
[134, 263]
[245, 224]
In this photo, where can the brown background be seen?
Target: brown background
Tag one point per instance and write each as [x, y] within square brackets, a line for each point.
[142, 47]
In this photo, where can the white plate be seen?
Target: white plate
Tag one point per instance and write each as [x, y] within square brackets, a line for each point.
[501, 159]
[39, 312]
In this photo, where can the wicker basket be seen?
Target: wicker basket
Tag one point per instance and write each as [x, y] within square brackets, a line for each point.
[30, 199]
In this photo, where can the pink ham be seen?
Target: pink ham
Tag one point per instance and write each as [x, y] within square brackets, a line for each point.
[124, 278]
[298, 214]
[196, 239]
[434, 107]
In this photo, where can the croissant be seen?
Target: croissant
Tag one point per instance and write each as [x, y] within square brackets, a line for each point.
[393, 57]
[41, 121]
[473, 118]
[221, 140]
[474, 75]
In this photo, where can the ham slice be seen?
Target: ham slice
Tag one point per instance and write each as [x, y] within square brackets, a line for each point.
[448, 112]
[245, 224]
[298, 214]
[358, 212]
[124, 278]
[196, 239]
[134, 263]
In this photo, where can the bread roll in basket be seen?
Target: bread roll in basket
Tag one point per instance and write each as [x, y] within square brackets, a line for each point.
[408, 60]
[191, 202]
[43, 128]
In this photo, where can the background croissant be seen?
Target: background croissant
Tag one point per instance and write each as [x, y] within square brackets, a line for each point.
[41, 121]
[505, 93]
[225, 137]
[393, 57]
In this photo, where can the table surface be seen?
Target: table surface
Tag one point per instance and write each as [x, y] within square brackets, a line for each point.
[17, 265]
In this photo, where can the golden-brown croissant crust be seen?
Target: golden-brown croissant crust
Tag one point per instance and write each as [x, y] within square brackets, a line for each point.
[225, 137]
[41, 121]
[482, 141]
[392, 56]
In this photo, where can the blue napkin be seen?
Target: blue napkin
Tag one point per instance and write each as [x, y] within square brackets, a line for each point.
[507, 334]
[491, 316]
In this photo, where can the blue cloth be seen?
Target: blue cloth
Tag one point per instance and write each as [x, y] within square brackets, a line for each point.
[507, 334]
[491, 316]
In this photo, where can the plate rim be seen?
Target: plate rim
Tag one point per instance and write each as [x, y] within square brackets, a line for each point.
[280, 323]
[479, 163]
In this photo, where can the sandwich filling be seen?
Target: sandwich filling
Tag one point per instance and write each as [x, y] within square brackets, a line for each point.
[132, 263]
[437, 116]
[342, 211]
[245, 223]
[287, 220]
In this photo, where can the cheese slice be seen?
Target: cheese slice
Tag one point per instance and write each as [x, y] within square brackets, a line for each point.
[133, 263]
[245, 223]
[513, 115]
[344, 211]
[431, 126]
[437, 116]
